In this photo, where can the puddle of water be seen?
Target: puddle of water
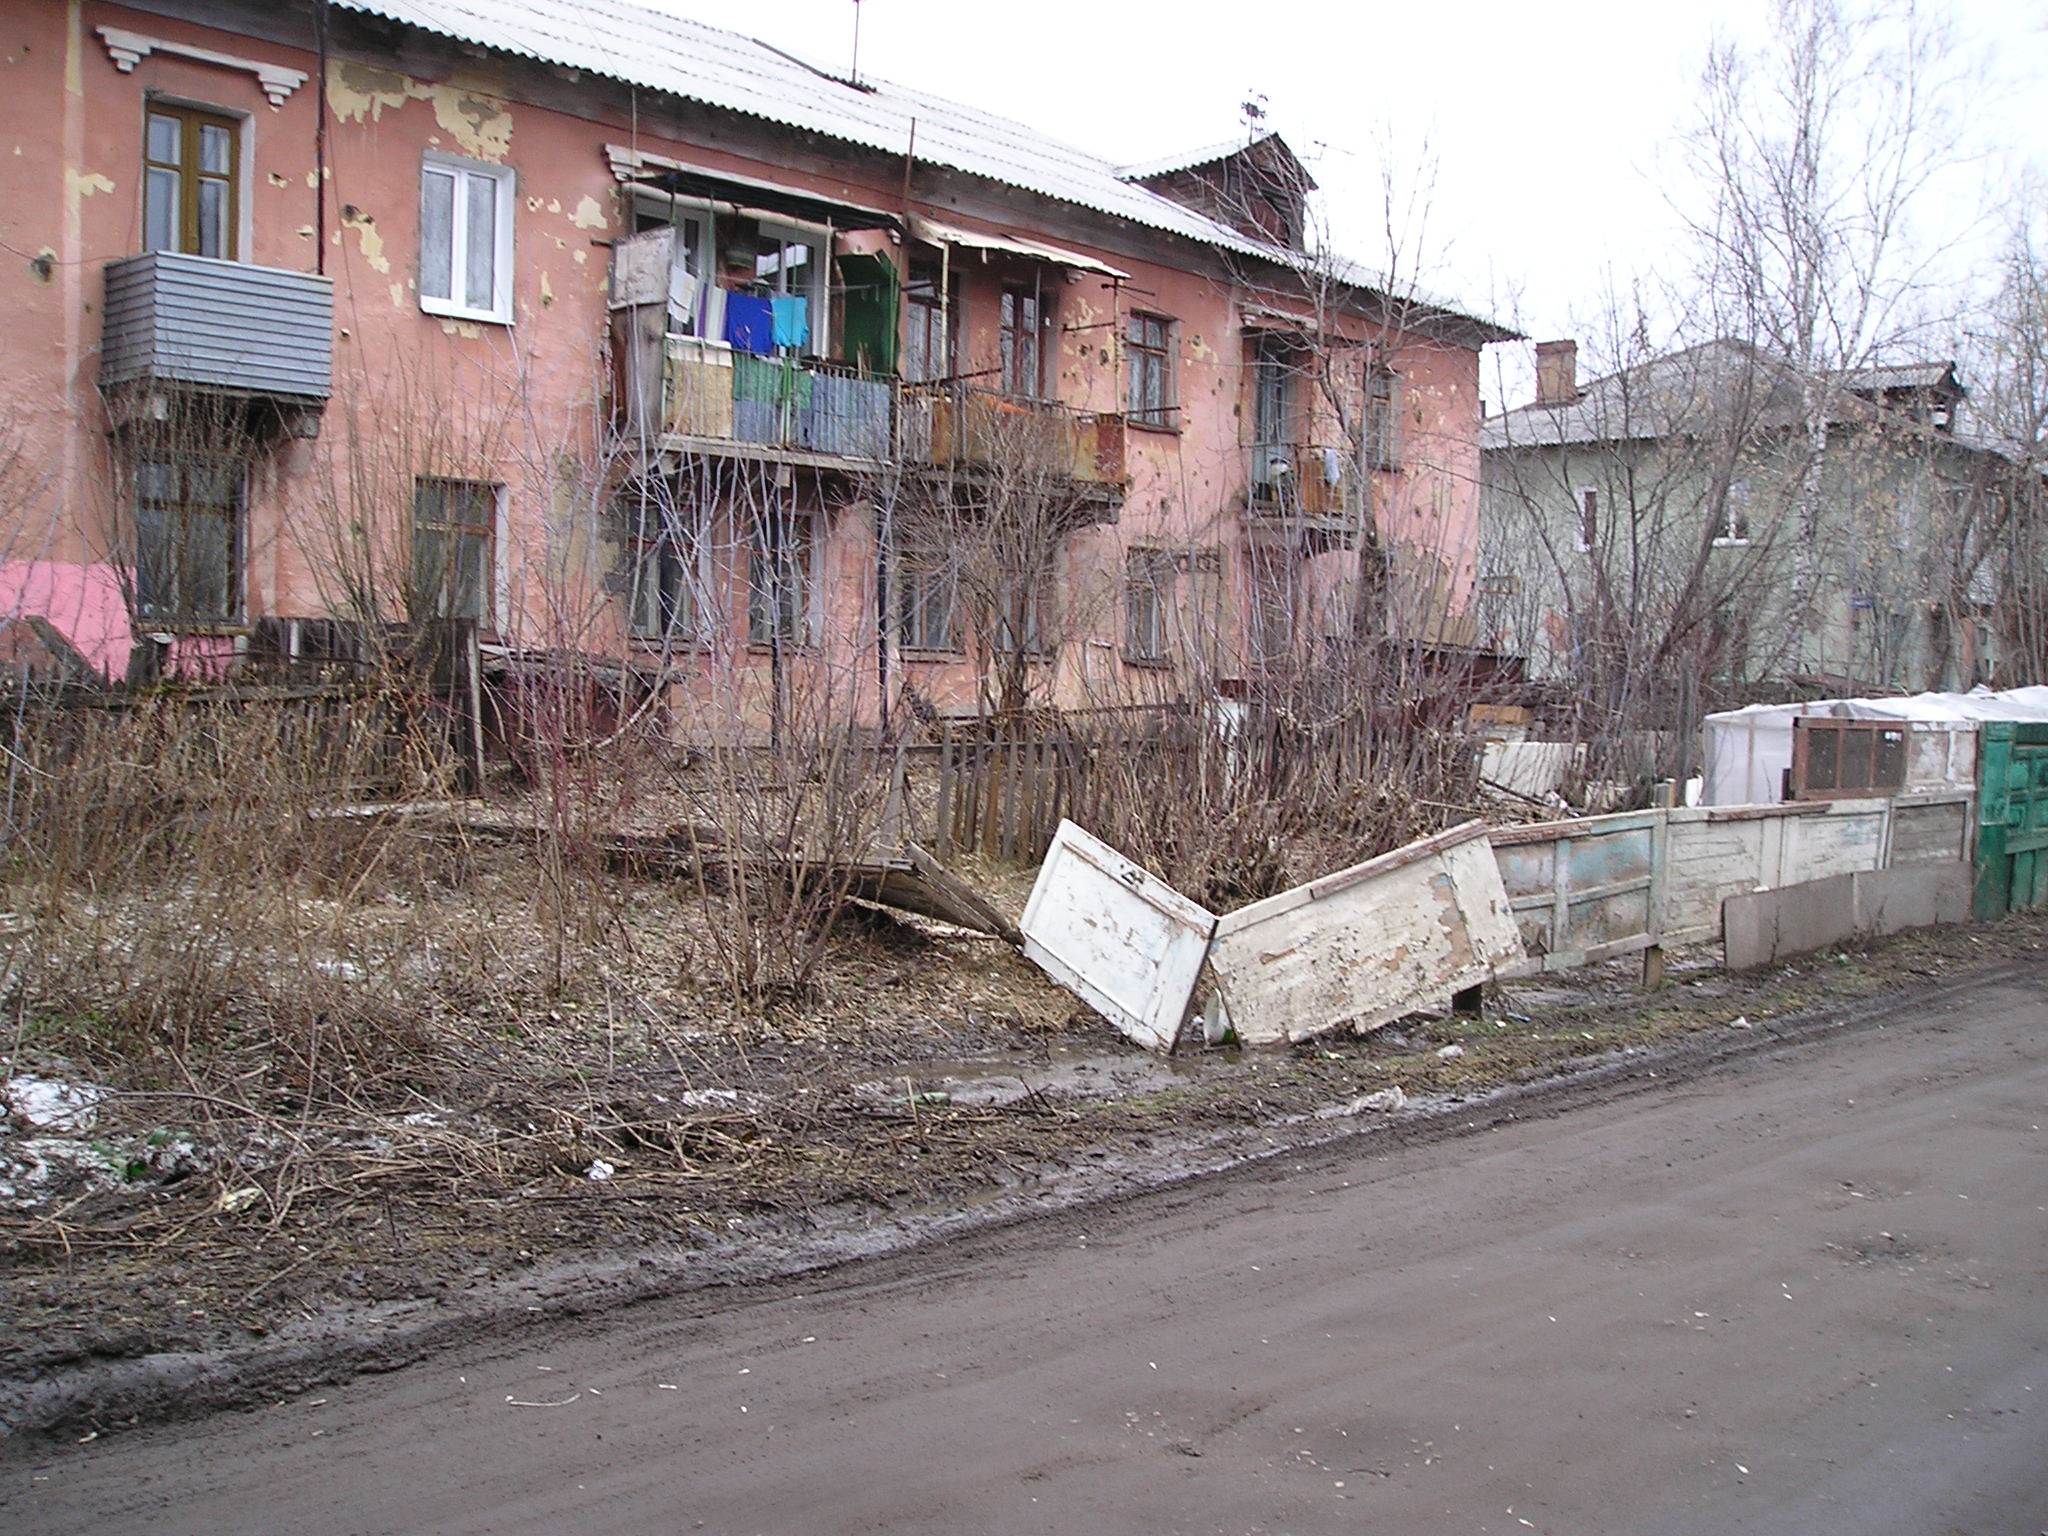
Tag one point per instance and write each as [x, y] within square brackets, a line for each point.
[1062, 1072]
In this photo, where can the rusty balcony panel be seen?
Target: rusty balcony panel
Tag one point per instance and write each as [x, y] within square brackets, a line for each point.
[956, 426]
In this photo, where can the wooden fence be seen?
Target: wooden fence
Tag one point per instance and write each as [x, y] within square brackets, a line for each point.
[1004, 786]
[1601, 886]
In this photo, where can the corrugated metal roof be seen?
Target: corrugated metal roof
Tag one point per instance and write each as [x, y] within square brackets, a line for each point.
[932, 232]
[1932, 375]
[1187, 160]
[1687, 390]
[662, 52]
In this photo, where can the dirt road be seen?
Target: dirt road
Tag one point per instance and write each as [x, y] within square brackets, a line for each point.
[1805, 1292]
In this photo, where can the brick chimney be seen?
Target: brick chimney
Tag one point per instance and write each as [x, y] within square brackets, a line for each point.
[1557, 372]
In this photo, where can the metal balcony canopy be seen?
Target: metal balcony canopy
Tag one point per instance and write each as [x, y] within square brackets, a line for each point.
[640, 168]
[932, 232]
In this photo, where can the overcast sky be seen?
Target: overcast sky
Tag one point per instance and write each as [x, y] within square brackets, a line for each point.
[1549, 123]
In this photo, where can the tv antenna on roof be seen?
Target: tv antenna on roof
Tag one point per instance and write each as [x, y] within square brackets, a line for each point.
[1253, 110]
[854, 74]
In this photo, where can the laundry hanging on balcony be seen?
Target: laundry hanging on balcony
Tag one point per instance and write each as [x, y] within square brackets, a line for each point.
[792, 320]
[750, 324]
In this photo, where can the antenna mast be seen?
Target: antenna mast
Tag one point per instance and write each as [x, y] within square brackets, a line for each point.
[855, 73]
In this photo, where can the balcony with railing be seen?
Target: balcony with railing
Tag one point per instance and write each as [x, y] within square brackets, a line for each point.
[983, 432]
[719, 400]
[197, 322]
[1306, 491]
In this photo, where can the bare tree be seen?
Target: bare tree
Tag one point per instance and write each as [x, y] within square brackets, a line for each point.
[1811, 153]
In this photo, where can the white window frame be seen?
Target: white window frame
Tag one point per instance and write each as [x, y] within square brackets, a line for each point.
[1734, 531]
[505, 179]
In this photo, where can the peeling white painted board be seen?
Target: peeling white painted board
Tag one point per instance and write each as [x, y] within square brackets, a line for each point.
[1116, 936]
[1368, 944]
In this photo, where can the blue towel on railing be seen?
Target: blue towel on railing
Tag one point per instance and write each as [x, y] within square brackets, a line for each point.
[750, 324]
[792, 320]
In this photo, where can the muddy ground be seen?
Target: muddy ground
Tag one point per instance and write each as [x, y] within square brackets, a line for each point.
[298, 1246]
[1794, 1287]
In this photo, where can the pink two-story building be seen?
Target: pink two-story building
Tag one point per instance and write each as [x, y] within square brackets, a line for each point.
[614, 337]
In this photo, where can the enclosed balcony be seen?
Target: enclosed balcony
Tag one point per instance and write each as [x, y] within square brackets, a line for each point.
[197, 322]
[1306, 491]
[955, 427]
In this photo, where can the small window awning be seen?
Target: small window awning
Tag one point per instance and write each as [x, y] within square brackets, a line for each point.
[932, 232]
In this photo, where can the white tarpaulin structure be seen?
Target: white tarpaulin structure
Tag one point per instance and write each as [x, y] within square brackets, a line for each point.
[1749, 750]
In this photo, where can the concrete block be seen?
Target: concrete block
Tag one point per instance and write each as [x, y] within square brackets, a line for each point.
[1923, 895]
[1758, 927]
[1761, 926]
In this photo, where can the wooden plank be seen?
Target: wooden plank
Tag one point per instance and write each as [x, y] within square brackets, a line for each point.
[943, 831]
[1366, 945]
[967, 906]
[1117, 936]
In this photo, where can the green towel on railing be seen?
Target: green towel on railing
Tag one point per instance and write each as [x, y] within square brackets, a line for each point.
[770, 381]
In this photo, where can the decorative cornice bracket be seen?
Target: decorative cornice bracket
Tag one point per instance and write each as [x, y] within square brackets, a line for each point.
[128, 49]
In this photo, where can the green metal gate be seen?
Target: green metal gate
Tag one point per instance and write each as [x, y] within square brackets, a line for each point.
[2012, 818]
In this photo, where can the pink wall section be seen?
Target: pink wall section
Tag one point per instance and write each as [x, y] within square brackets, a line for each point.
[520, 404]
[85, 603]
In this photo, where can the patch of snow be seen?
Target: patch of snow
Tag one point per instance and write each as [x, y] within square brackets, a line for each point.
[44, 1168]
[51, 1104]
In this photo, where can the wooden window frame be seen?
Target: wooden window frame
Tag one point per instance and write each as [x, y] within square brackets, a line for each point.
[782, 587]
[1148, 603]
[191, 177]
[172, 520]
[665, 604]
[1014, 331]
[1849, 759]
[1027, 605]
[930, 311]
[1151, 395]
[928, 585]
[1382, 418]
[435, 594]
